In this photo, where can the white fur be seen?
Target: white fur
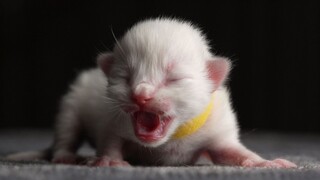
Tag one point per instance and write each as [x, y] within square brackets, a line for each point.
[94, 105]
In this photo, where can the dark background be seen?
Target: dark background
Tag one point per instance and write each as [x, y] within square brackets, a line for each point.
[274, 46]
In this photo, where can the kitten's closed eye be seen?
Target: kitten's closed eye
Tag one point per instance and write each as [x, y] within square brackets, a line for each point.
[124, 76]
[172, 80]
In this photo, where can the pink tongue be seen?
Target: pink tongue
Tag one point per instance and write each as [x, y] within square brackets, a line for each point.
[148, 121]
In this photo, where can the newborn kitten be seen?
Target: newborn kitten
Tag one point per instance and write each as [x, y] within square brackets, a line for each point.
[157, 99]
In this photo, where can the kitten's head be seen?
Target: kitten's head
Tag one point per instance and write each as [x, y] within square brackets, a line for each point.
[161, 74]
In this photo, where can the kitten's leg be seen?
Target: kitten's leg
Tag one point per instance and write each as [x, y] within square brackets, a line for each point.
[225, 147]
[235, 154]
[109, 153]
[67, 138]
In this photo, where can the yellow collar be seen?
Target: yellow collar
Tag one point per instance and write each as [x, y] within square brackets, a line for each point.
[194, 124]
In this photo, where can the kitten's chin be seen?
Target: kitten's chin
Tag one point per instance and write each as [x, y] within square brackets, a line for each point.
[154, 143]
[151, 129]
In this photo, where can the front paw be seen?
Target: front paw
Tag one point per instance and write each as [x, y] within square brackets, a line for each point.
[106, 161]
[65, 157]
[277, 163]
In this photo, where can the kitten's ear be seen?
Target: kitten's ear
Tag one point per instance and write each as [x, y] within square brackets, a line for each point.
[218, 70]
[104, 61]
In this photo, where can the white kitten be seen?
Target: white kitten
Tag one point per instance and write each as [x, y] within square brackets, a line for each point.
[159, 77]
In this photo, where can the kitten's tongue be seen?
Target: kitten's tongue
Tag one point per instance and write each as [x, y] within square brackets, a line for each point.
[147, 122]
[147, 126]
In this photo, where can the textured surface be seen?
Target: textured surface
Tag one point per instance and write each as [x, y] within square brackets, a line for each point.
[301, 149]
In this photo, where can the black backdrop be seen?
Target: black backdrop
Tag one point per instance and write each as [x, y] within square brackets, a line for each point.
[274, 46]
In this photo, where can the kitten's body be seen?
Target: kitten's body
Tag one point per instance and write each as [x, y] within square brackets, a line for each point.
[160, 75]
[87, 99]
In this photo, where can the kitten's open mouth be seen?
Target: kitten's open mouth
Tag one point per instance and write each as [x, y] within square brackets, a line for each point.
[150, 127]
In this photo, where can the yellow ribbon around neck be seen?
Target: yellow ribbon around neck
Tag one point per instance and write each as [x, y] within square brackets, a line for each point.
[194, 124]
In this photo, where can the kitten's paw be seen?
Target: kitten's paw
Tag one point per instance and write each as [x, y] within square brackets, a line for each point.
[106, 161]
[64, 158]
[277, 163]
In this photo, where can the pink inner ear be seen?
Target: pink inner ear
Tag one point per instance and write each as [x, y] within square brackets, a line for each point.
[105, 61]
[218, 70]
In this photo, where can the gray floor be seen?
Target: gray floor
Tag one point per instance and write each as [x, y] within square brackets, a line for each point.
[302, 149]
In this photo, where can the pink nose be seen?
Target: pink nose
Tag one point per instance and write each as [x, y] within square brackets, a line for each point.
[143, 93]
[141, 100]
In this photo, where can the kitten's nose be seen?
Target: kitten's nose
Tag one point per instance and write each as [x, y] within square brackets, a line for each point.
[143, 93]
[141, 100]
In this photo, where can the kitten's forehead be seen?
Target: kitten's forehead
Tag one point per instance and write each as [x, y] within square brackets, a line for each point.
[164, 40]
[152, 48]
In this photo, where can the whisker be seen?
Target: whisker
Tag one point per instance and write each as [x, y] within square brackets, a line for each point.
[104, 46]
[117, 43]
